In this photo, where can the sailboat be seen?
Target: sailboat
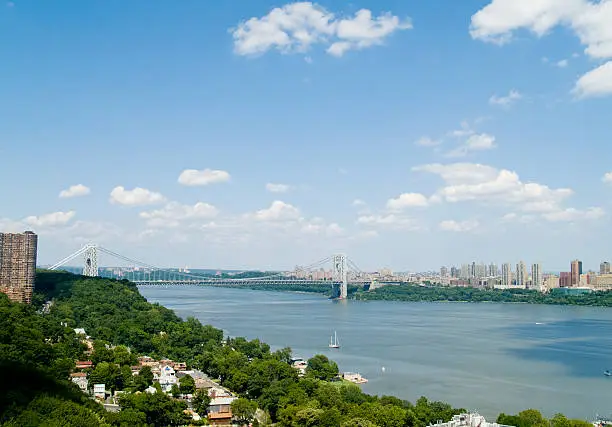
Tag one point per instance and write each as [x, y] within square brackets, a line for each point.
[333, 341]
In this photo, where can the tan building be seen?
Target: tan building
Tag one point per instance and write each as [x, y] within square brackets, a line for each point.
[550, 282]
[18, 265]
[602, 282]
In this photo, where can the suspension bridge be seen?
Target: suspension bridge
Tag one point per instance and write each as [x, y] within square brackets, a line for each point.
[343, 271]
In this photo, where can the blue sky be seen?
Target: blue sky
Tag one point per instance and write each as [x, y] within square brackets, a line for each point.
[491, 118]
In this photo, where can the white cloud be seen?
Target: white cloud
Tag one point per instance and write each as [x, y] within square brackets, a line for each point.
[461, 226]
[607, 178]
[136, 197]
[465, 130]
[389, 221]
[427, 142]
[358, 202]
[193, 177]
[476, 182]
[476, 142]
[571, 214]
[590, 21]
[407, 200]
[505, 101]
[277, 188]
[597, 82]
[278, 211]
[75, 191]
[50, 219]
[296, 27]
[173, 213]
[562, 63]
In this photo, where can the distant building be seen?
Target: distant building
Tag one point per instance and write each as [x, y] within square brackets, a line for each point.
[603, 282]
[80, 379]
[604, 268]
[493, 270]
[468, 420]
[18, 265]
[521, 275]
[506, 281]
[536, 277]
[565, 279]
[99, 391]
[575, 272]
[551, 282]
[443, 271]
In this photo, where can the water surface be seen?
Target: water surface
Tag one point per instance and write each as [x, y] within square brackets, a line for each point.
[487, 357]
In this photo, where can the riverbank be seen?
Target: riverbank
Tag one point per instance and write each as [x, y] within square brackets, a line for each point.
[117, 317]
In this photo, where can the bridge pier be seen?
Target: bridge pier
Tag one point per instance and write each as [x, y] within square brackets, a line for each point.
[340, 274]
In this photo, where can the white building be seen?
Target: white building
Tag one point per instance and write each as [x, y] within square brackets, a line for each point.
[521, 275]
[468, 420]
[506, 281]
[167, 378]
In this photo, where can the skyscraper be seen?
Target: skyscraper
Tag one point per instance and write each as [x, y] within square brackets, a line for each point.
[604, 268]
[493, 270]
[443, 271]
[536, 276]
[18, 265]
[575, 272]
[521, 274]
[506, 275]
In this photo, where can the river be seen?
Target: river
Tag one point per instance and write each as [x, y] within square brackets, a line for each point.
[486, 357]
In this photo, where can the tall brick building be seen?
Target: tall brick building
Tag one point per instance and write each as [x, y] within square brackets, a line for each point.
[18, 265]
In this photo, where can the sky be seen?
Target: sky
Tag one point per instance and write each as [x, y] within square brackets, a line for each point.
[261, 134]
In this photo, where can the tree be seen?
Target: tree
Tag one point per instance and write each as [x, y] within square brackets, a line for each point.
[187, 384]
[358, 422]
[144, 378]
[201, 401]
[322, 368]
[175, 391]
[105, 373]
[123, 357]
[244, 410]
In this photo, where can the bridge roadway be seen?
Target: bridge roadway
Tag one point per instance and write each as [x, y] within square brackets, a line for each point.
[253, 281]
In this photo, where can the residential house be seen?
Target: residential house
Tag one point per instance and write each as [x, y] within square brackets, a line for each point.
[220, 411]
[100, 391]
[167, 378]
[80, 379]
[83, 364]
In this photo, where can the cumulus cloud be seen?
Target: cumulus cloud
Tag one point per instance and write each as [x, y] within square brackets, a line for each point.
[589, 20]
[407, 200]
[358, 202]
[486, 184]
[277, 188]
[278, 211]
[476, 142]
[50, 220]
[136, 197]
[173, 213]
[505, 101]
[562, 63]
[296, 27]
[607, 178]
[78, 190]
[458, 226]
[193, 177]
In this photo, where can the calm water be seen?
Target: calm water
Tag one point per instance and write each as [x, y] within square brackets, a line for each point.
[486, 357]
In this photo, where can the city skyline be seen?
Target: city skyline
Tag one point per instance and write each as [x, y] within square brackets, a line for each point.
[267, 138]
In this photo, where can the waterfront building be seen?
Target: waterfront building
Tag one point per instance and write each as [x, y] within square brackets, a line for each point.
[575, 272]
[521, 275]
[18, 265]
[465, 271]
[472, 419]
[602, 282]
[536, 277]
[604, 268]
[550, 282]
[443, 271]
[565, 279]
[493, 270]
[454, 272]
[506, 281]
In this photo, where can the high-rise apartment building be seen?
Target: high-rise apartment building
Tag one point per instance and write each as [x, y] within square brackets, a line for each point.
[604, 268]
[443, 271]
[492, 270]
[565, 279]
[465, 271]
[454, 272]
[506, 278]
[18, 265]
[575, 272]
[536, 276]
[521, 275]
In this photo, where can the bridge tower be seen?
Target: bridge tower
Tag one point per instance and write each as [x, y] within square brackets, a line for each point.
[340, 274]
[91, 261]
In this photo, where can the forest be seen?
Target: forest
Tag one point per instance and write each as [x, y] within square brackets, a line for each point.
[38, 350]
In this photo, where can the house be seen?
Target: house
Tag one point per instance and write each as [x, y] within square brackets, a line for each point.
[151, 390]
[83, 364]
[220, 411]
[100, 391]
[180, 366]
[167, 378]
[80, 379]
